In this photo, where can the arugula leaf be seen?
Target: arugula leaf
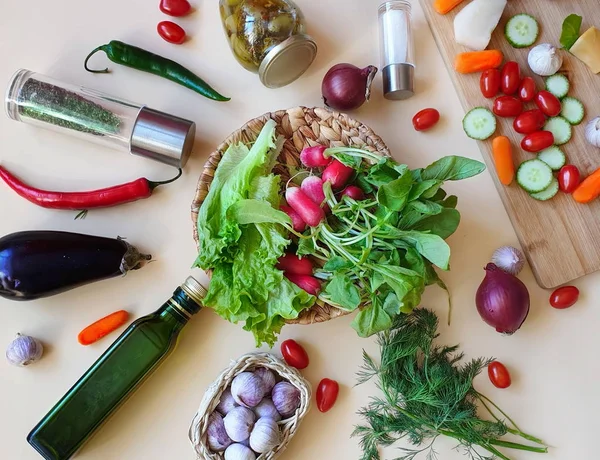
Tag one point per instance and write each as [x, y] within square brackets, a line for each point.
[306, 246]
[349, 160]
[443, 224]
[384, 172]
[426, 207]
[430, 246]
[450, 202]
[256, 212]
[394, 195]
[571, 29]
[407, 284]
[453, 168]
[371, 320]
[362, 182]
[343, 292]
[337, 263]
[427, 189]
[439, 195]
[391, 304]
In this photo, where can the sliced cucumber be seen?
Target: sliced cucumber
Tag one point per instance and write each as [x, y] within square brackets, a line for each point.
[558, 85]
[561, 129]
[572, 110]
[522, 31]
[534, 176]
[479, 123]
[553, 157]
[548, 193]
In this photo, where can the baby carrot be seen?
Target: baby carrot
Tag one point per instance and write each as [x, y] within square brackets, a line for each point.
[503, 159]
[589, 189]
[478, 61]
[102, 327]
[445, 6]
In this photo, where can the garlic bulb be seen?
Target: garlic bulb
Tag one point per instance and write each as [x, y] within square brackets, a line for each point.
[266, 408]
[265, 435]
[592, 132]
[286, 398]
[226, 403]
[545, 60]
[216, 436]
[509, 259]
[239, 423]
[24, 350]
[267, 377]
[239, 452]
[248, 389]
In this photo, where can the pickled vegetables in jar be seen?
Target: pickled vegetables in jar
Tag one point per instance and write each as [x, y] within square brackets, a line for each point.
[268, 37]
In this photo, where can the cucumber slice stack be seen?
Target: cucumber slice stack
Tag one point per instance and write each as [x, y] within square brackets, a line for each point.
[534, 176]
[548, 193]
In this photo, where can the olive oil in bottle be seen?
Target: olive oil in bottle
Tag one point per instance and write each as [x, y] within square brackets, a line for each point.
[115, 375]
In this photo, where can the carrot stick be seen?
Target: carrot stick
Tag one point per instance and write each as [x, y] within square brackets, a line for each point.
[445, 6]
[478, 61]
[102, 327]
[589, 189]
[503, 159]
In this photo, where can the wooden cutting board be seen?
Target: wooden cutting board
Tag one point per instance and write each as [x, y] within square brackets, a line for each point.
[560, 237]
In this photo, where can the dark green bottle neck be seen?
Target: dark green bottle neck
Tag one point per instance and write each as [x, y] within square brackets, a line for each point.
[180, 306]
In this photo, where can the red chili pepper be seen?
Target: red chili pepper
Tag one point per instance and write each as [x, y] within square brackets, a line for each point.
[102, 198]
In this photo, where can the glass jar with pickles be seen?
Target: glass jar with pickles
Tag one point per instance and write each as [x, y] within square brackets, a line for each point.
[268, 37]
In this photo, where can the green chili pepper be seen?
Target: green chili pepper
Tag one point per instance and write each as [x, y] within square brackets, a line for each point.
[140, 59]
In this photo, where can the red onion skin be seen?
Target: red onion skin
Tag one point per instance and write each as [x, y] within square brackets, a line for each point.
[346, 87]
[502, 300]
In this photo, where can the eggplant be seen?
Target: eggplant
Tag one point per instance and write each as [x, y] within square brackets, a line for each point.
[38, 264]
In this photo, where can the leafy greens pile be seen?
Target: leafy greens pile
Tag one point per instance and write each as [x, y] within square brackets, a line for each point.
[428, 393]
[241, 236]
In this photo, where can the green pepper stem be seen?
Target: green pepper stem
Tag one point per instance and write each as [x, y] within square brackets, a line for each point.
[85, 64]
[154, 184]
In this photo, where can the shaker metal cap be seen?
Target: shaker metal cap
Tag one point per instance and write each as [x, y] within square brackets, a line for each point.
[287, 61]
[398, 81]
[162, 137]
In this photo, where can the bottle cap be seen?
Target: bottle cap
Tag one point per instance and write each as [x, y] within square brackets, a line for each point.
[398, 81]
[194, 289]
[162, 137]
[287, 61]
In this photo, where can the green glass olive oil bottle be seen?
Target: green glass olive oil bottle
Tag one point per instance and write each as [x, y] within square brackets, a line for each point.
[115, 375]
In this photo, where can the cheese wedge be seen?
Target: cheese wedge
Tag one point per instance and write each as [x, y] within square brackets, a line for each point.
[587, 49]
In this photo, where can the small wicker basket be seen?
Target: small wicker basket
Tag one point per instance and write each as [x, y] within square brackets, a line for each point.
[249, 362]
[301, 127]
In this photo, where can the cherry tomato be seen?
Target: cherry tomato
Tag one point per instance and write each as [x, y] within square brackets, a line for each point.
[538, 141]
[507, 106]
[498, 374]
[426, 119]
[527, 89]
[511, 78]
[564, 297]
[294, 354]
[548, 103]
[175, 8]
[490, 83]
[171, 32]
[569, 178]
[529, 121]
[327, 393]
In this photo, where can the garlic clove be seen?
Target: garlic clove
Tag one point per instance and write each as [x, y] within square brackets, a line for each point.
[226, 403]
[247, 389]
[266, 408]
[24, 350]
[239, 452]
[216, 436]
[265, 435]
[239, 423]
[545, 60]
[592, 132]
[286, 398]
[268, 378]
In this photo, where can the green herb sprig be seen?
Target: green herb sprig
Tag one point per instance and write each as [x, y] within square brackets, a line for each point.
[427, 393]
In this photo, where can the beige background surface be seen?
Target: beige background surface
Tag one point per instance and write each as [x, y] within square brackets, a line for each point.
[552, 358]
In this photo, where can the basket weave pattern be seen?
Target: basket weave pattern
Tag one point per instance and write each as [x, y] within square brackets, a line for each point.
[249, 362]
[301, 127]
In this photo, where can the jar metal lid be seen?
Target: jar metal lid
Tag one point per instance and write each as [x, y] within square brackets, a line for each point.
[398, 81]
[287, 61]
[162, 137]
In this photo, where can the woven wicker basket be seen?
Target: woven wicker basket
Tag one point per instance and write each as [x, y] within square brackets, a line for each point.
[301, 127]
[213, 394]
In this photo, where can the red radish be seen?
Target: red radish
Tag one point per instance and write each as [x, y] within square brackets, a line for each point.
[297, 221]
[307, 209]
[337, 174]
[291, 264]
[354, 192]
[312, 157]
[313, 187]
[308, 283]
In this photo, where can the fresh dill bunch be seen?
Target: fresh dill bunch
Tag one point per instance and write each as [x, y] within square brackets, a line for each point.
[428, 392]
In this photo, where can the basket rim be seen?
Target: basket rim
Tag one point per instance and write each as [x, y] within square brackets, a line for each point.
[369, 139]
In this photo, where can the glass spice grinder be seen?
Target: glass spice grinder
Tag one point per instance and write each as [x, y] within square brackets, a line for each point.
[97, 117]
[268, 37]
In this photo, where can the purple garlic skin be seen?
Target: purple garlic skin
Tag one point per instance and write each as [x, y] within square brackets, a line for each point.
[247, 389]
[266, 408]
[267, 377]
[239, 423]
[216, 436]
[286, 398]
[227, 403]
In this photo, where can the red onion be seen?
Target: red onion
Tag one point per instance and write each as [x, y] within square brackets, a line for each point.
[346, 87]
[502, 300]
